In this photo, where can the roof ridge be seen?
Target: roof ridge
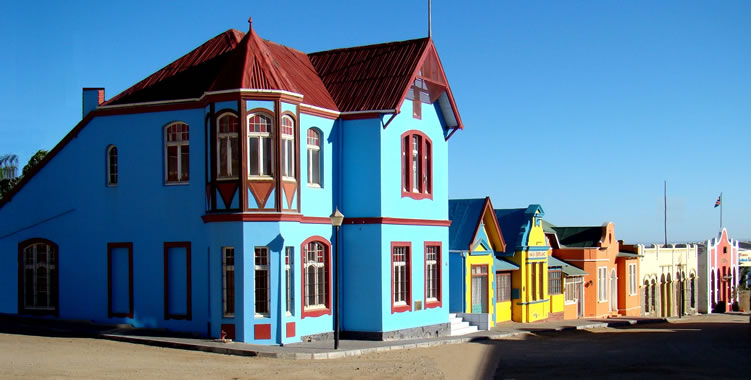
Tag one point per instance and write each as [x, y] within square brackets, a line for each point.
[370, 46]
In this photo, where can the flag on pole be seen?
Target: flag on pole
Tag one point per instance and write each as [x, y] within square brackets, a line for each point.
[718, 202]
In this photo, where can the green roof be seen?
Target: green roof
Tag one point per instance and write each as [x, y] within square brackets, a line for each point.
[500, 264]
[627, 254]
[567, 269]
[578, 237]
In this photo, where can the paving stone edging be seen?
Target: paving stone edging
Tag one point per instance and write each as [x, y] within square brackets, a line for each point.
[228, 349]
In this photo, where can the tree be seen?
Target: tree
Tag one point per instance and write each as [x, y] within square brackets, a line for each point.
[8, 166]
[7, 183]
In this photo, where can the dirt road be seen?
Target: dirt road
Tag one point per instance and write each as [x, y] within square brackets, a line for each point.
[685, 348]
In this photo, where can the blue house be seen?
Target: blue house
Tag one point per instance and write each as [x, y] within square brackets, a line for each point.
[198, 199]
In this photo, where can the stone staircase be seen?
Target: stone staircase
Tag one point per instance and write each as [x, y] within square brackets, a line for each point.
[459, 326]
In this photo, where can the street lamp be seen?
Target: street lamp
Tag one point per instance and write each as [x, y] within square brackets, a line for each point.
[336, 220]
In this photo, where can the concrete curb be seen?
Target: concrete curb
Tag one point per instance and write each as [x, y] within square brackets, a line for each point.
[229, 350]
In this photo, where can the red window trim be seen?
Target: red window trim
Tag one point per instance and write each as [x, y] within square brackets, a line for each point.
[110, 247]
[327, 257]
[408, 307]
[189, 315]
[439, 303]
[21, 307]
[426, 144]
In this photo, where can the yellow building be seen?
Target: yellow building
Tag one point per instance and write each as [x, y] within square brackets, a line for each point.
[477, 293]
[528, 248]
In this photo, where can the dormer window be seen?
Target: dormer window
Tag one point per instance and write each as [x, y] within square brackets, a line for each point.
[288, 148]
[228, 149]
[260, 145]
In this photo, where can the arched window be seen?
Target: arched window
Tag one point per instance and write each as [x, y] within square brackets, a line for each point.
[177, 153]
[288, 148]
[417, 165]
[227, 147]
[111, 165]
[692, 292]
[314, 157]
[39, 277]
[316, 269]
[260, 145]
[646, 296]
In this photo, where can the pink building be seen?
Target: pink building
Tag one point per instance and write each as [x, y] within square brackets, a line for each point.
[718, 274]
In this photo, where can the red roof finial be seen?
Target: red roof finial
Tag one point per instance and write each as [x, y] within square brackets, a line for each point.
[250, 23]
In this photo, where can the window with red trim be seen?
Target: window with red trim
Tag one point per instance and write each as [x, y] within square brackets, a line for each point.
[260, 145]
[316, 269]
[227, 146]
[417, 165]
[177, 153]
[432, 275]
[401, 277]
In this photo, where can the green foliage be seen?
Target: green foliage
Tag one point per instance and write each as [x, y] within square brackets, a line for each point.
[11, 161]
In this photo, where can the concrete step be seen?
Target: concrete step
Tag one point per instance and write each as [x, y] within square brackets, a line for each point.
[452, 315]
[464, 331]
[459, 325]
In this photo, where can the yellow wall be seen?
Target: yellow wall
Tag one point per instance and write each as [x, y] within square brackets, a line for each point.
[503, 311]
[532, 308]
[480, 260]
[556, 303]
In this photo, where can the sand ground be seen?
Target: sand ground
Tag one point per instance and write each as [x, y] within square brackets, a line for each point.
[27, 357]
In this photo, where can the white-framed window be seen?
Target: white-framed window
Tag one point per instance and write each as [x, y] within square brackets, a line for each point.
[432, 273]
[289, 255]
[260, 145]
[400, 277]
[314, 157]
[316, 264]
[112, 165]
[632, 287]
[177, 153]
[227, 147]
[573, 286]
[228, 281]
[262, 281]
[602, 284]
[288, 148]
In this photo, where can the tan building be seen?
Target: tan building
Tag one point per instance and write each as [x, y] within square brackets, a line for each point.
[668, 286]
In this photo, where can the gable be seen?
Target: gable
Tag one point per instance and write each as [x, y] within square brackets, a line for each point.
[378, 78]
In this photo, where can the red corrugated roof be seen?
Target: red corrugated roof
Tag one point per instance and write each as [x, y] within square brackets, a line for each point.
[185, 78]
[229, 61]
[373, 77]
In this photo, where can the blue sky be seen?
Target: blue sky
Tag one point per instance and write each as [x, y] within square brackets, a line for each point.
[584, 107]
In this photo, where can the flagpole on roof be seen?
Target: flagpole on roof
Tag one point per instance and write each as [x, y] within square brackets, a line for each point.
[430, 19]
[666, 212]
[721, 212]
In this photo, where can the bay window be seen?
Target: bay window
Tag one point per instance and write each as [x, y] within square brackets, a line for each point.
[262, 281]
[260, 145]
[228, 148]
[288, 148]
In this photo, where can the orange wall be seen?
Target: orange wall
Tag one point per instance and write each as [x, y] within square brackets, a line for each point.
[569, 311]
[627, 304]
[589, 259]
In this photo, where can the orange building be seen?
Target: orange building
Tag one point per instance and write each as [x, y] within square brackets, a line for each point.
[610, 285]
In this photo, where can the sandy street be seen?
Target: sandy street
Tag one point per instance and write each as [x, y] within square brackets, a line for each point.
[28, 357]
[693, 347]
